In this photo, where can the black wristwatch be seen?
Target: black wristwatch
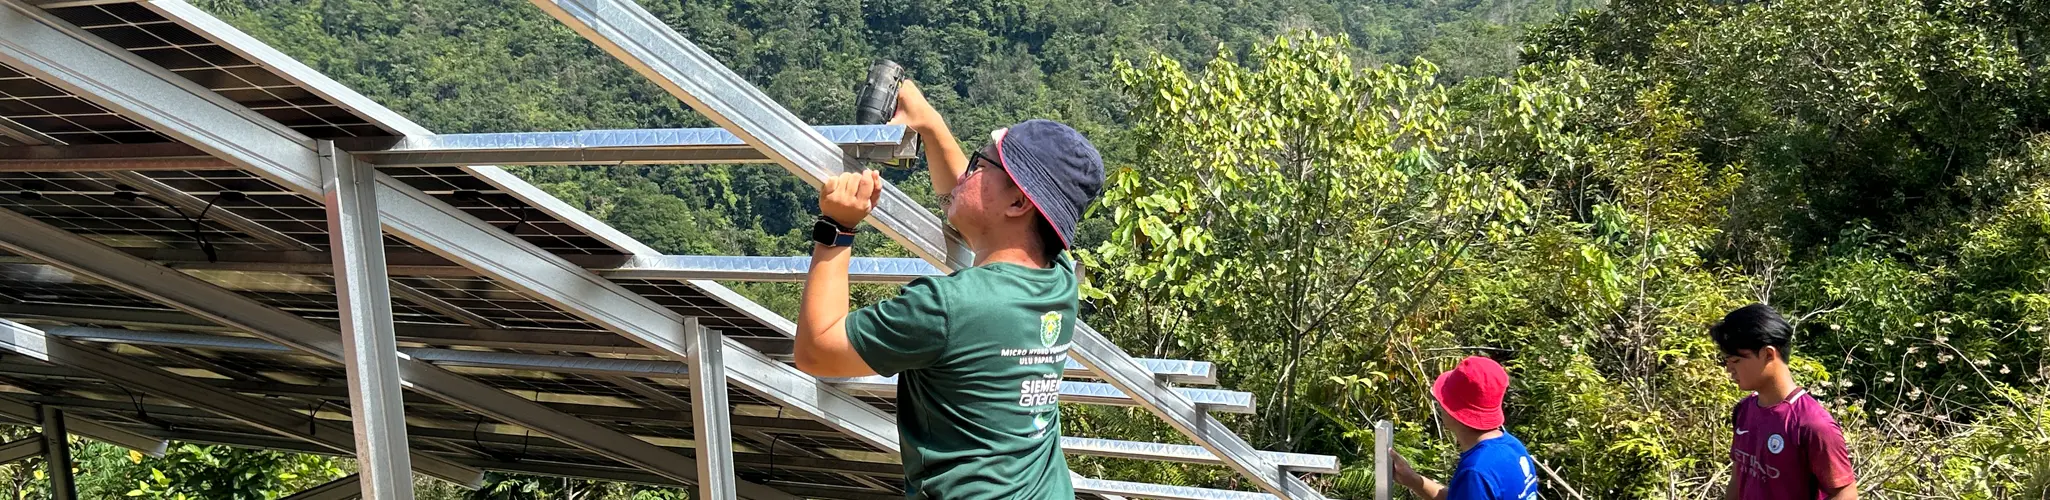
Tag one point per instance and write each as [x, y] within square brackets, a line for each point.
[830, 233]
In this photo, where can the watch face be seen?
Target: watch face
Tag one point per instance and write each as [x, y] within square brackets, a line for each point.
[827, 233]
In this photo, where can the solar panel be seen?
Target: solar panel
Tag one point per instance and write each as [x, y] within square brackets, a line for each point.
[157, 39]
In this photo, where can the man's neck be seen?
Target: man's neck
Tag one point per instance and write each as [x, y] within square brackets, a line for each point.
[1013, 255]
[1015, 252]
[1468, 438]
[1777, 390]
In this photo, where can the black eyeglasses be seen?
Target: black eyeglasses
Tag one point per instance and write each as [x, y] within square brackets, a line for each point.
[978, 161]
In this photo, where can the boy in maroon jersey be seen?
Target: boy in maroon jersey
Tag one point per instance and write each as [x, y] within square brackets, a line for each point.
[1787, 446]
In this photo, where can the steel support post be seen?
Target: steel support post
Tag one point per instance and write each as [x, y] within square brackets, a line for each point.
[1384, 475]
[342, 488]
[370, 349]
[636, 37]
[710, 418]
[57, 456]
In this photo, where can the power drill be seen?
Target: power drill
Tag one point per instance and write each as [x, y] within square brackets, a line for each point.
[876, 99]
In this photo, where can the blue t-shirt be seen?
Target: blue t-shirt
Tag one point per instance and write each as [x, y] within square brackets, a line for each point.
[1495, 469]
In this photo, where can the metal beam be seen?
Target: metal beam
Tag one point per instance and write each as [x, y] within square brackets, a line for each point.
[787, 269]
[58, 4]
[553, 340]
[888, 270]
[43, 157]
[57, 456]
[1071, 391]
[1161, 491]
[1303, 462]
[1079, 392]
[1171, 370]
[649, 46]
[709, 414]
[343, 488]
[613, 147]
[28, 413]
[369, 347]
[116, 369]
[93, 429]
[21, 449]
[632, 368]
[590, 147]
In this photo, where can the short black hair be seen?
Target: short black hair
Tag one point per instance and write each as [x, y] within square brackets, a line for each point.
[1752, 328]
[1050, 245]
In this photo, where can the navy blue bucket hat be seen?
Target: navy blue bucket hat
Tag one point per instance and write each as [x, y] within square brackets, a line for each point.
[1059, 170]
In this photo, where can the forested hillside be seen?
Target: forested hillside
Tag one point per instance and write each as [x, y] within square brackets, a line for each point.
[490, 66]
[1335, 200]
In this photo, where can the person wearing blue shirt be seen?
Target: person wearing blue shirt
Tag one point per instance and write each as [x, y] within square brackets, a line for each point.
[1493, 465]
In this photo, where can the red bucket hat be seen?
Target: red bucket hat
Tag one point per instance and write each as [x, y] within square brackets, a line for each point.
[1472, 392]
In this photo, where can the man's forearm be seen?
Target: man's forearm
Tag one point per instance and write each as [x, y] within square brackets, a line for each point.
[1426, 488]
[943, 156]
[823, 307]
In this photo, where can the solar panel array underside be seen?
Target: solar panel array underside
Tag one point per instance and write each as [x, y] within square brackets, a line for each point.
[50, 115]
[106, 208]
[438, 428]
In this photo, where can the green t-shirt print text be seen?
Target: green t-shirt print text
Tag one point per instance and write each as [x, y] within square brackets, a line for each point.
[978, 357]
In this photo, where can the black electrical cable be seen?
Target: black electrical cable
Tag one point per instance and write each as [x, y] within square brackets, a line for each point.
[313, 417]
[142, 413]
[198, 231]
[527, 438]
[473, 434]
[525, 213]
[774, 439]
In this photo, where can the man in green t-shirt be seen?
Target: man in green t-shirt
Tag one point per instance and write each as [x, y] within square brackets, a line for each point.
[978, 354]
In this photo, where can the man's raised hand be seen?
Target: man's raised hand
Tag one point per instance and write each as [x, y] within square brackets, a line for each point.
[913, 111]
[847, 198]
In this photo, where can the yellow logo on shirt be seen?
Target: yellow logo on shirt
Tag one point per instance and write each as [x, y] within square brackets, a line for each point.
[1050, 328]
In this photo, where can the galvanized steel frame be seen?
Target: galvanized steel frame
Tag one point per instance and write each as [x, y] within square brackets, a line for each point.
[370, 349]
[711, 420]
[57, 456]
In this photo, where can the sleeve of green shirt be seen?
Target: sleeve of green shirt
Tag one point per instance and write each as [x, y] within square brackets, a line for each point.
[907, 332]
